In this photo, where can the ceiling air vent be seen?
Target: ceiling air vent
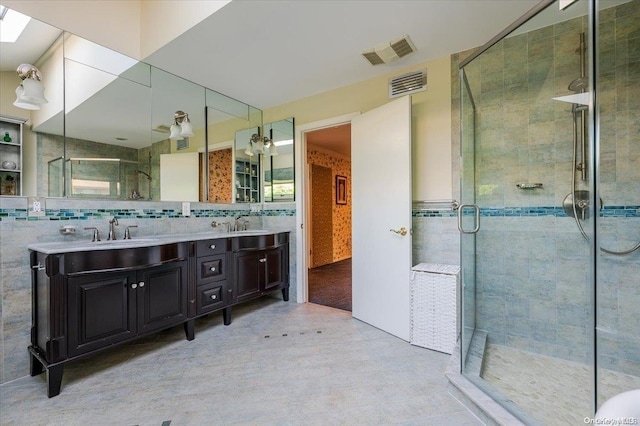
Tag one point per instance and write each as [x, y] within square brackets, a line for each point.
[390, 52]
[408, 83]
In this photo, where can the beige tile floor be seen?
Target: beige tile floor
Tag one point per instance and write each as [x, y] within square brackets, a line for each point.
[318, 366]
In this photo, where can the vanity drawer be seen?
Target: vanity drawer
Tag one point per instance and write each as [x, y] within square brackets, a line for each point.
[211, 297]
[209, 247]
[212, 268]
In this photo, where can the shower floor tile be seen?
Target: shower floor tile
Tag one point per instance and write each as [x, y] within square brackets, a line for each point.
[552, 390]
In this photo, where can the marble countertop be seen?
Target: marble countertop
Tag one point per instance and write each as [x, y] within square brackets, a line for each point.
[156, 240]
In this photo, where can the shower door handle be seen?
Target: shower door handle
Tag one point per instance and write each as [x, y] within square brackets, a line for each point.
[476, 215]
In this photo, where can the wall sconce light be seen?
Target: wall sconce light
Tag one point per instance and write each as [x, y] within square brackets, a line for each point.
[262, 145]
[181, 127]
[30, 93]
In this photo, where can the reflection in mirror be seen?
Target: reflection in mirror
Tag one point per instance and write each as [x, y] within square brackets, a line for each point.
[38, 44]
[119, 115]
[178, 105]
[230, 124]
[246, 167]
[278, 162]
[107, 123]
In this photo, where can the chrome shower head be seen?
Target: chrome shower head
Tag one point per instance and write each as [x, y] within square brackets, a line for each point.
[579, 84]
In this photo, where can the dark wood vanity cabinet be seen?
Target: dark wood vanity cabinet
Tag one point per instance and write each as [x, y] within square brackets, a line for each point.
[106, 308]
[261, 265]
[213, 291]
[87, 301]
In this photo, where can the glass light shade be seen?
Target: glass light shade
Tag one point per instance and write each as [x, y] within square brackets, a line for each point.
[175, 132]
[272, 149]
[20, 102]
[260, 146]
[187, 129]
[249, 150]
[33, 91]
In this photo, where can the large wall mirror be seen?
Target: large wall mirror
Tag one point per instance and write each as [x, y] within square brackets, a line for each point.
[278, 161]
[40, 45]
[106, 131]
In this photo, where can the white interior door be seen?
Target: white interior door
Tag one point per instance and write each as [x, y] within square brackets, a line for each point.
[179, 177]
[381, 188]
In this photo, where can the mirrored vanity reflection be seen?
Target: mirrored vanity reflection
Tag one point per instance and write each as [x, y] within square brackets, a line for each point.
[278, 161]
[119, 129]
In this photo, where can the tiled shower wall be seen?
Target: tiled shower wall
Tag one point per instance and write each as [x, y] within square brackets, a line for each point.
[50, 147]
[533, 266]
[17, 231]
[618, 289]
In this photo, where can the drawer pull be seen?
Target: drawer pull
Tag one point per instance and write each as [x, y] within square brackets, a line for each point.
[263, 260]
[212, 246]
[134, 285]
[141, 284]
[212, 269]
[214, 297]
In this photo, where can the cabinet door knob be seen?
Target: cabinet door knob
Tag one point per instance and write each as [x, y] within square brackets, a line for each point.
[212, 269]
[214, 297]
[134, 285]
[212, 246]
[141, 284]
[263, 260]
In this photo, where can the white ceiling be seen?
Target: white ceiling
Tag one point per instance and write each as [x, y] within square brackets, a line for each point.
[268, 53]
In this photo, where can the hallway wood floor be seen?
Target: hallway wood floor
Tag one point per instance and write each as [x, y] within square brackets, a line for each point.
[330, 285]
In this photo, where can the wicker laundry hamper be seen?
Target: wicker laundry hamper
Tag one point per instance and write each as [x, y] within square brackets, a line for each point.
[434, 289]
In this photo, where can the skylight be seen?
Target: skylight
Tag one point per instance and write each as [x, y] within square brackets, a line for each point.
[12, 24]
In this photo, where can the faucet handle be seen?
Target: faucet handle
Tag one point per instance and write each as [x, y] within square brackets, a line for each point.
[96, 233]
[127, 233]
[216, 224]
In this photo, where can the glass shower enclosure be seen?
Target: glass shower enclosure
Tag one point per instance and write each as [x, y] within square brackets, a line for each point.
[550, 214]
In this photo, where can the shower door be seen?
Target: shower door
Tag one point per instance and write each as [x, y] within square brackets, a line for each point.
[466, 222]
[528, 272]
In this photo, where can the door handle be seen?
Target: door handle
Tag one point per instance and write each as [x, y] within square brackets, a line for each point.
[476, 214]
[402, 231]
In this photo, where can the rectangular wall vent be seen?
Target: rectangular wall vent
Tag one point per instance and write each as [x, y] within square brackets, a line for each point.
[182, 144]
[408, 83]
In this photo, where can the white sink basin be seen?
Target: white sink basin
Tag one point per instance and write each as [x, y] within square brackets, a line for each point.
[251, 232]
[131, 242]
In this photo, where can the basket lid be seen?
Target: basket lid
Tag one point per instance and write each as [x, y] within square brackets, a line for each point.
[438, 268]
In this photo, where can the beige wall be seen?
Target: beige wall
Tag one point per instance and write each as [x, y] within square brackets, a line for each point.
[431, 121]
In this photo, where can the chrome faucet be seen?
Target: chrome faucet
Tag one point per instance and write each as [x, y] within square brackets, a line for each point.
[113, 222]
[240, 225]
[96, 233]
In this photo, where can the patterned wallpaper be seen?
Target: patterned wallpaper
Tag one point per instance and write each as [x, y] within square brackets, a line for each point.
[220, 179]
[341, 213]
[321, 215]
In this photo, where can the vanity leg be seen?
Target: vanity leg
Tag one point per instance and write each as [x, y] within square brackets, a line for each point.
[226, 315]
[190, 329]
[54, 379]
[35, 366]
[285, 294]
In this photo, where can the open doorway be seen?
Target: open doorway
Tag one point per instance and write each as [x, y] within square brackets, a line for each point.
[329, 206]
